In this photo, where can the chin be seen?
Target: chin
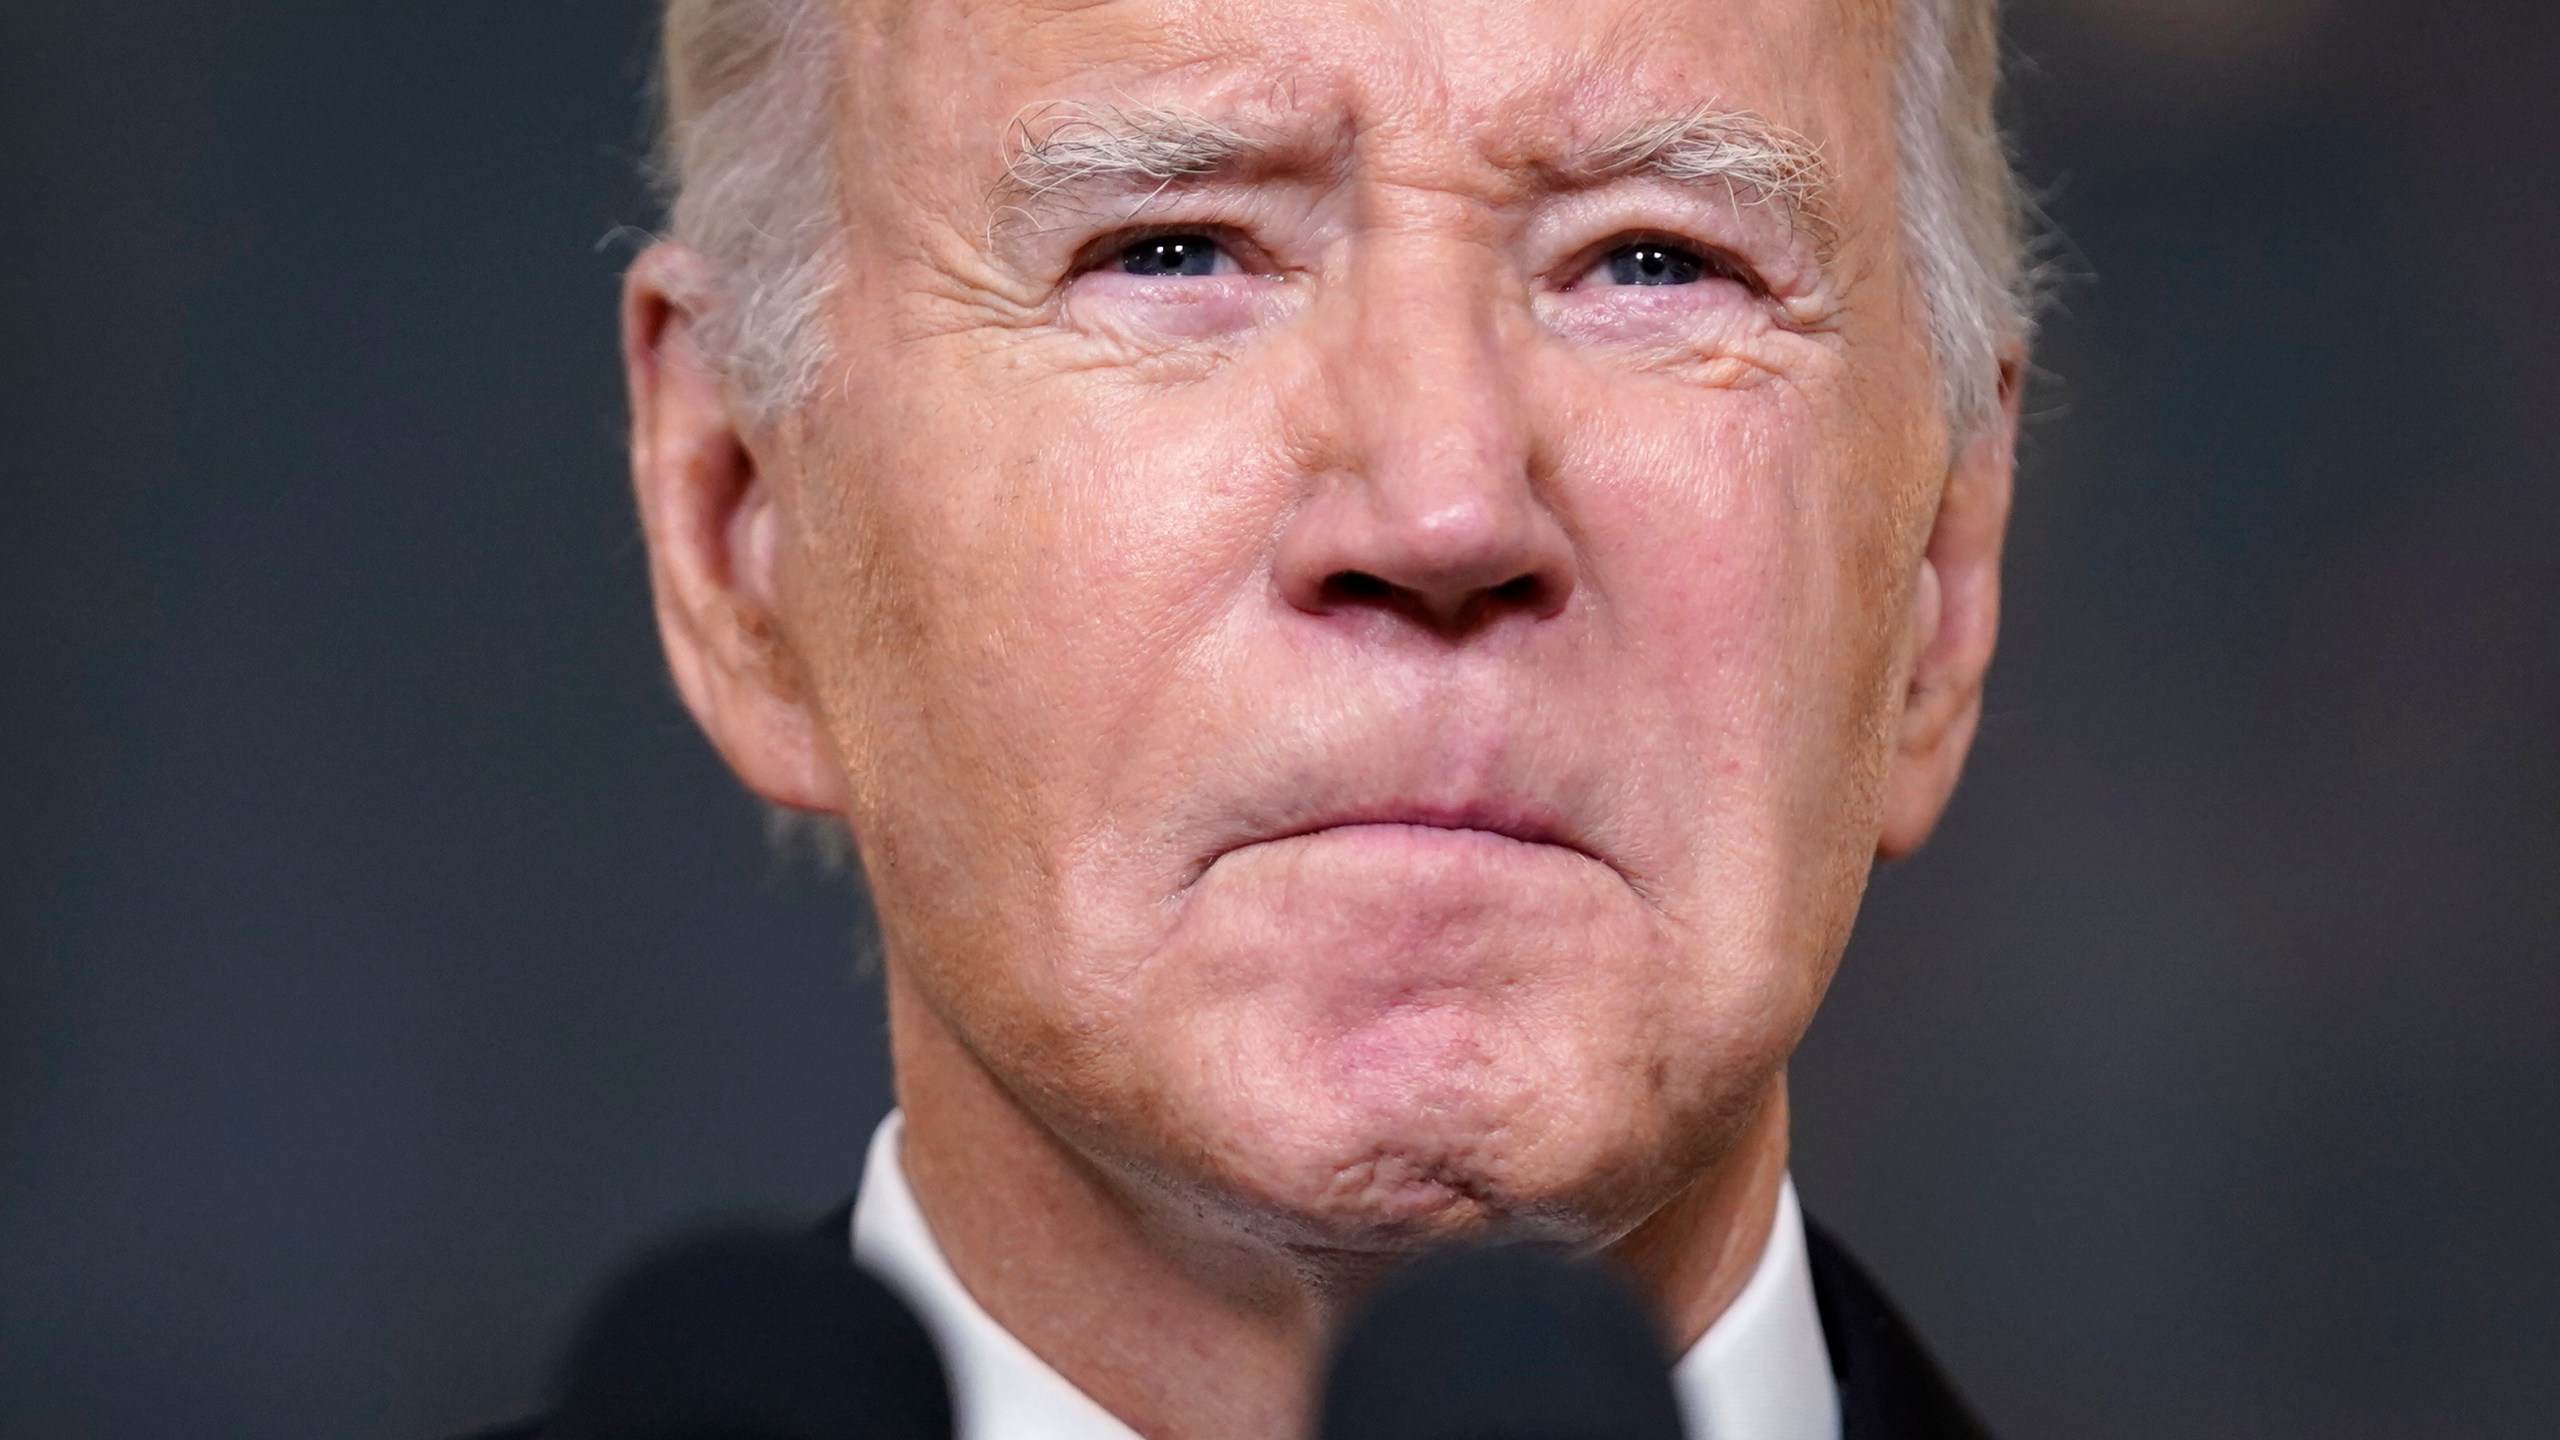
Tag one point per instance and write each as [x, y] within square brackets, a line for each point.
[1406, 1140]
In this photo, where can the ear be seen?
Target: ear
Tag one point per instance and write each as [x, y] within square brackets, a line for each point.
[715, 543]
[1955, 622]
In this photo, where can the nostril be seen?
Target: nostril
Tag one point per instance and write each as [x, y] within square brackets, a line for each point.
[1530, 593]
[1354, 587]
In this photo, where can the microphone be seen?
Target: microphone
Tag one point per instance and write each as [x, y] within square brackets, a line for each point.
[1506, 1343]
[751, 1334]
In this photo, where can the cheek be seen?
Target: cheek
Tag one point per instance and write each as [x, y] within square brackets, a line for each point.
[1156, 516]
[1737, 560]
[1060, 586]
[1059, 552]
[1703, 531]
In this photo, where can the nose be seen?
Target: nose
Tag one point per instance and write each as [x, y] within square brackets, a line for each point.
[1425, 506]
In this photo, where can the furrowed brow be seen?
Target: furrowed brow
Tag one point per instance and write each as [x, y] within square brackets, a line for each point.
[1067, 151]
[1757, 160]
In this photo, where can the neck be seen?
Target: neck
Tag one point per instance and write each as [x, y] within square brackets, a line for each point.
[1190, 1339]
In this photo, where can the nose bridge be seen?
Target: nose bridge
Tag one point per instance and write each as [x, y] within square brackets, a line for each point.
[1434, 410]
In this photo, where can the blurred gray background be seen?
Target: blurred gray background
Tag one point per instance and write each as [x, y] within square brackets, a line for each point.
[383, 952]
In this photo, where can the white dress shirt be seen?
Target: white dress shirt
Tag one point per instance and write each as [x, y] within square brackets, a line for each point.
[1761, 1372]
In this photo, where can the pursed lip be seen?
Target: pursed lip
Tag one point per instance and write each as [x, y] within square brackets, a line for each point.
[1525, 823]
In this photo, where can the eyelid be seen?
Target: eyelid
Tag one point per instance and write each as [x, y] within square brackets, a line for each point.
[1103, 249]
[1757, 244]
[1718, 261]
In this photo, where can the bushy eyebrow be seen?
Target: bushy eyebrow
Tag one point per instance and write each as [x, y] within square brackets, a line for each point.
[1057, 150]
[1758, 160]
[1068, 146]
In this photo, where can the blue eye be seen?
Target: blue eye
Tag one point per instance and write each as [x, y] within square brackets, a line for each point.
[1655, 264]
[1171, 255]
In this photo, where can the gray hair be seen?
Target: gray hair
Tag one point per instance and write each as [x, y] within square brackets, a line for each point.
[748, 90]
[745, 166]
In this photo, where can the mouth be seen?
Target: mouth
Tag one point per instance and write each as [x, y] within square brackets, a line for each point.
[1480, 820]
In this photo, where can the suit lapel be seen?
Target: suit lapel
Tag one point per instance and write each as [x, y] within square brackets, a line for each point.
[1890, 1388]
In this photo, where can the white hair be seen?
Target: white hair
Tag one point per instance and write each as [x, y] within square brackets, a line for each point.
[746, 165]
[1963, 209]
[747, 162]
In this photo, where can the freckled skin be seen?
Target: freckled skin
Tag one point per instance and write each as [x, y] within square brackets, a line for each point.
[1381, 742]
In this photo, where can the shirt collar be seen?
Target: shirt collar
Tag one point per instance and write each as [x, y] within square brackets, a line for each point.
[1761, 1372]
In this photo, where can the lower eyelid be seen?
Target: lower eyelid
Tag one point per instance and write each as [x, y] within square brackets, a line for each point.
[1612, 312]
[1706, 290]
[1200, 305]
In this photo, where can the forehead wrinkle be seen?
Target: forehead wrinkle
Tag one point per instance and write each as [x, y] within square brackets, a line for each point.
[1551, 132]
[1064, 155]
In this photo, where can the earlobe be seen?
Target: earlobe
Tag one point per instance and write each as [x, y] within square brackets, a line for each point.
[714, 531]
[1955, 611]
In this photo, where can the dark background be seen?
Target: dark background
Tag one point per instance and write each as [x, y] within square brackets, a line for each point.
[383, 951]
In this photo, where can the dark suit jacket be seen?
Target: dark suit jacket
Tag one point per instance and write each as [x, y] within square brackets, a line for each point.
[1890, 1388]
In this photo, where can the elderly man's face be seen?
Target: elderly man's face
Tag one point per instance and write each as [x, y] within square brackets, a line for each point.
[1363, 572]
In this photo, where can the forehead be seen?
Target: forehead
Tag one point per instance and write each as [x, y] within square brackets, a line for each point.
[1498, 75]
